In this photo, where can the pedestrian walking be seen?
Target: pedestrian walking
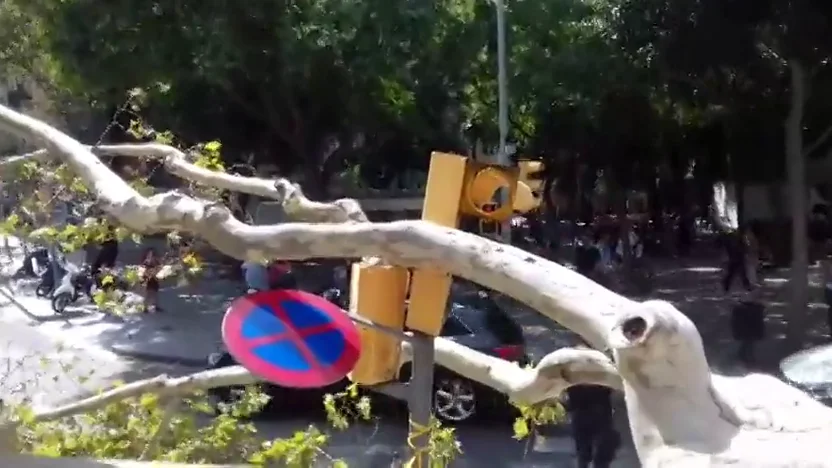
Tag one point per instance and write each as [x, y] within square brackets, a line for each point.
[107, 251]
[256, 276]
[593, 430]
[736, 244]
[151, 267]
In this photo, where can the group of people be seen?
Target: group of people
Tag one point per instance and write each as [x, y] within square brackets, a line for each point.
[261, 276]
[603, 251]
[151, 263]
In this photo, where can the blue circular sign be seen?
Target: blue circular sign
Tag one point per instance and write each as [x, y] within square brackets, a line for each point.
[291, 338]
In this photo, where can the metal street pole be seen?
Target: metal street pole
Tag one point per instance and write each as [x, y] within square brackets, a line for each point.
[502, 96]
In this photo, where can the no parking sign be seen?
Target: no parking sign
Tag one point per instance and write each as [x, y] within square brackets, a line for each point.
[291, 338]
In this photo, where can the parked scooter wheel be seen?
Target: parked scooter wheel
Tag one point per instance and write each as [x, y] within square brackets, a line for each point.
[60, 301]
[43, 290]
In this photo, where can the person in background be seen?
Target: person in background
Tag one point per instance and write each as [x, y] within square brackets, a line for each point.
[685, 231]
[256, 276]
[281, 276]
[819, 232]
[152, 265]
[636, 245]
[605, 249]
[107, 251]
[587, 259]
[736, 245]
[753, 254]
[593, 429]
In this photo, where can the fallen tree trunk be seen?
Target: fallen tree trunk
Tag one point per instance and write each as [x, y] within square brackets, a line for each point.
[680, 414]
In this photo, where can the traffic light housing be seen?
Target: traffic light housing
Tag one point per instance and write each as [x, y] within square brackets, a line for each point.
[489, 228]
[530, 187]
[457, 186]
[378, 293]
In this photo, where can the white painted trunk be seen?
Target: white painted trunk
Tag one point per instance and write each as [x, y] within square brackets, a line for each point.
[724, 206]
[681, 414]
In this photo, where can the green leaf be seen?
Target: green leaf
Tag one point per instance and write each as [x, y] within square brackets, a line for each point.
[213, 146]
[521, 428]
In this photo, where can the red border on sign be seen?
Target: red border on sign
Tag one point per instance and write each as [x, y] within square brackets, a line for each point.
[319, 375]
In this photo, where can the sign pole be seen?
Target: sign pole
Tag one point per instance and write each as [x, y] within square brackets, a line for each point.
[420, 398]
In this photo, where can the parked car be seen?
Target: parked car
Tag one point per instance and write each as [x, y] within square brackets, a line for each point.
[474, 319]
[811, 371]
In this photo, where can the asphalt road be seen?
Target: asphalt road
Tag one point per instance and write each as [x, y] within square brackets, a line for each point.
[46, 372]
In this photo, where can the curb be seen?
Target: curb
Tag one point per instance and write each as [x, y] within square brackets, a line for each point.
[11, 296]
[157, 358]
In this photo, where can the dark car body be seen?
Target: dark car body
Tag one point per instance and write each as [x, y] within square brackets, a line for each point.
[474, 319]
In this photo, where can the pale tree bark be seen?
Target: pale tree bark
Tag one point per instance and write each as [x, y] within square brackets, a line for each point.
[680, 414]
[724, 207]
[796, 170]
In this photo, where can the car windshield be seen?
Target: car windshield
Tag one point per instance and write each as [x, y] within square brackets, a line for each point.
[813, 366]
[486, 317]
[453, 327]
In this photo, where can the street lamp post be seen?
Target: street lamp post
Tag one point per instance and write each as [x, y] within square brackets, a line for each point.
[502, 96]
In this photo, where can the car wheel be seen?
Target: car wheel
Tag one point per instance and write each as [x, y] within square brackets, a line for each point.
[60, 302]
[454, 399]
[218, 397]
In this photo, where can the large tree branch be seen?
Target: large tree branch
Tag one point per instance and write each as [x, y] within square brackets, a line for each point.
[553, 374]
[679, 413]
[412, 243]
[552, 289]
[559, 370]
[296, 204]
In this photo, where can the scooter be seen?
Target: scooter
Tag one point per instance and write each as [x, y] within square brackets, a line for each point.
[81, 281]
[33, 264]
[47, 280]
[74, 282]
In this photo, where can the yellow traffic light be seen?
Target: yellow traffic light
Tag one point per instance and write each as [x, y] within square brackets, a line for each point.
[490, 228]
[531, 173]
[529, 186]
[456, 186]
[378, 293]
[483, 183]
[460, 186]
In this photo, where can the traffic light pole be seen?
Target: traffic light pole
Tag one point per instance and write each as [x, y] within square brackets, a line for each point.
[420, 398]
[502, 118]
[457, 186]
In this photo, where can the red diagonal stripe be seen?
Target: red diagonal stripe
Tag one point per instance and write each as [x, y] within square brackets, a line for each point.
[292, 335]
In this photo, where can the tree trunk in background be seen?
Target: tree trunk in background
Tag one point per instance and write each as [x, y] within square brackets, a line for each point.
[621, 212]
[795, 166]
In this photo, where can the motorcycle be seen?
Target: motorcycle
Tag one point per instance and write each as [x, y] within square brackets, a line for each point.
[76, 281]
[33, 264]
[82, 281]
[47, 280]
